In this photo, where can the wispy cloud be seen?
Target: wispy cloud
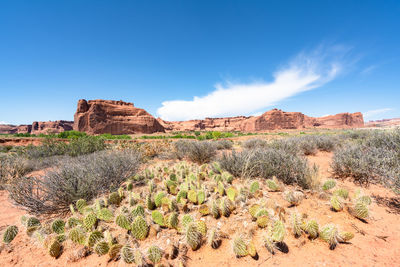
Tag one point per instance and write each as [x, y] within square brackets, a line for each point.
[371, 114]
[3, 122]
[368, 69]
[305, 72]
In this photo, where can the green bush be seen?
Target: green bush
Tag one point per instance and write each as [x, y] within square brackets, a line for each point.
[71, 134]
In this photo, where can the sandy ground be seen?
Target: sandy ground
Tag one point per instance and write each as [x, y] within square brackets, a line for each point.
[376, 243]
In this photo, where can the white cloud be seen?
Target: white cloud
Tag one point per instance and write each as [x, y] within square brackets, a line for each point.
[372, 113]
[305, 72]
[3, 122]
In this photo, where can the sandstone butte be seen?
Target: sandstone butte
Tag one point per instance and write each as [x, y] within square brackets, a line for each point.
[119, 117]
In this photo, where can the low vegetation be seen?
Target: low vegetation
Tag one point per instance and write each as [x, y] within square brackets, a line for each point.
[371, 157]
[83, 177]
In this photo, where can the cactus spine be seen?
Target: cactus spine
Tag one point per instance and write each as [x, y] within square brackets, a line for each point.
[296, 222]
[122, 221]
[278, 231]
[329, 233]
[157, 217]
[127, 254]
[311, 228]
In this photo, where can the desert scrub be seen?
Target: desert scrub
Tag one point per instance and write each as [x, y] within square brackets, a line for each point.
[254, 143]
[12, 167]
[266, 163]
[375, 159]
[84, 177]
[223, 144]
[197, 151]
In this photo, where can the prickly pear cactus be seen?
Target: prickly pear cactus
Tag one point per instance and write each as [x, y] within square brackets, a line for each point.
[10, 233]
[80, 205]
[54, 249]
[296, 222]
[158, 198]
[329, 233]
[93, 238]
[186, 219]
[73, 221]
[251, 249]
[137, 211]
[201, 197]
[89, 220]
[101, 247]
[122, 221]
[239, 247]
[278, 231]
[157, 217]
[360, 210]
[272, 185]
[150, 203]
[32, 222]
[227, 177]
[192, 196]
[269, 243]
[172, 220]
[204, 210]
[232, 193]
[329, 184]
[193, 236]
[336, 203]
[254, 187]
[114, 198]
[364, 199]
[114, 251]
[341, 192]
[225, 207]
[58, 226]
[311, 228]
[77, 235]
[154, 253]
[345, 236]
[214, 239]
[140, 229]
[215, 210]
[262, 221]
[253, 210]
[105, 214]
[127, 254]
[202, 227]
[182, 194]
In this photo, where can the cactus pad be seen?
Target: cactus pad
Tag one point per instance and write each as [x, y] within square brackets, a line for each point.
[10, 233]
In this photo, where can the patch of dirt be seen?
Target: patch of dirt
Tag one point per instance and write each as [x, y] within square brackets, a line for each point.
[376, 243]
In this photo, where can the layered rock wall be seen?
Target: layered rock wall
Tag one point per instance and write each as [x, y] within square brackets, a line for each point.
[113, 117]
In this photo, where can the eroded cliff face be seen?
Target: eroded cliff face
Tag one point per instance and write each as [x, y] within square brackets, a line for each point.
[114, 117]
[271, 120]
[38, 127]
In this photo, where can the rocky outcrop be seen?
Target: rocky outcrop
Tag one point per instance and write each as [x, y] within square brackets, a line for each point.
[38, 127]
[271, 120]
[114, 117]
[45, 127]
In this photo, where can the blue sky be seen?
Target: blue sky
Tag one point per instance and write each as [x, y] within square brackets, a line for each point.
[192, 59]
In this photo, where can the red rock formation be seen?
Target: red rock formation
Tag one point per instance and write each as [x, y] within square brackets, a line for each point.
[114, 117]
[46, 127]
[271, 120]
[38, 127]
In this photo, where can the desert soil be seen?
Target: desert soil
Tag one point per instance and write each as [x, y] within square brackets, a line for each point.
[376, 243]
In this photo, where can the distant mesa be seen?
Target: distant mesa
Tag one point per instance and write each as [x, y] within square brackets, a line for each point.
[119, 117]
